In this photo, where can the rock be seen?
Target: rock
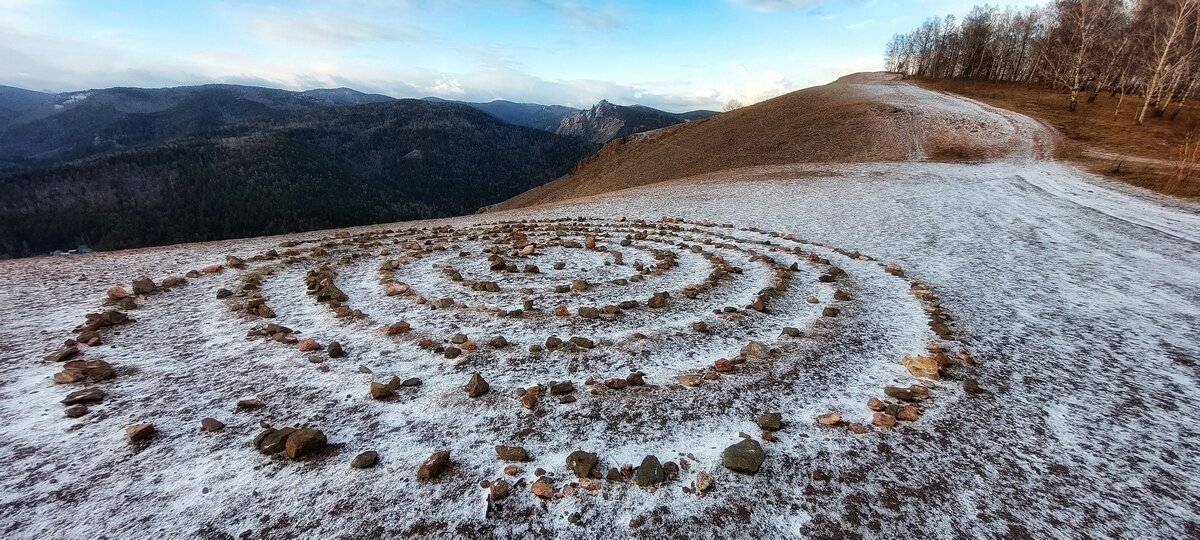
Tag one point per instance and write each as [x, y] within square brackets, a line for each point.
[971, 386]
[144, 285]
[249, 403]
[658, 300]
[771, 421]
[304, 442]
[649, 473]
[477, 386]
[380, 390]
[856, 428]
[127, 303]
[234, 262]
[580, 285]
[399, 327]
[829, 419]
[636, 378]
[85, 370]
[616, 384]
[841, 295]
[87, 395]
[543, 488]
[582, 342]
[704, 482]
[223, 294]
[139, 432]
[744, 457]
[690, 380]
[883, 420]
[452, 352]
[62, 354]
[498, 489]
[273, 441]
[565, 387]
[581, 463]
[529, 401]
[830, 311]
[411, 382]
[512, 470]
[925, 367]
[308, 345]
[211, 424]
[756, 349]
[434, 465]
[498, 342]
[588, 312]
[723, 365]
[335, 350]
[511, 453]
[569, 398]
[790, 331]
[116, 294]
[902, 394]
[875, 404]
[365, 460]
[908, 413]
[459, 339]
[75, 411]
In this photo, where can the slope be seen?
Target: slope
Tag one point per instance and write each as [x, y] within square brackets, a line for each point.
[859, 118]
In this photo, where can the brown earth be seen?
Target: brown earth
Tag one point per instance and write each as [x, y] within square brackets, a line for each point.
[866, 117]
[1100, 137]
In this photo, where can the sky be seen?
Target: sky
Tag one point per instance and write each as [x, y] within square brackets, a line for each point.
[672, 55]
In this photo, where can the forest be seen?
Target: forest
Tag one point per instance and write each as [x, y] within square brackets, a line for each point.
[1146, 50]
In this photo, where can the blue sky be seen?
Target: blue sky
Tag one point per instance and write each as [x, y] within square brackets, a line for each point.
[673, 55]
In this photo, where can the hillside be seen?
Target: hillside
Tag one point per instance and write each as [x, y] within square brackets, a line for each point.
[600, 124]
[37, 129]
[343, 166]
[858, 118]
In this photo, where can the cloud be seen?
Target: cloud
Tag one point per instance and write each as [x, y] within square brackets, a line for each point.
[580, 15]
[776, 5]
[323, 28]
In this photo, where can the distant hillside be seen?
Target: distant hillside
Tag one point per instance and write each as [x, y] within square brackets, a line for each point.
[37, 129]
[332, 167]
[600, 124]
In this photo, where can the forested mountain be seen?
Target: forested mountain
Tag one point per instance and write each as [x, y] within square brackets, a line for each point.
[342, 166]
[38, 128]
[600, 124]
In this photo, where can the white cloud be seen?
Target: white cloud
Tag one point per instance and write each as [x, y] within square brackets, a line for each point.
[321, 28]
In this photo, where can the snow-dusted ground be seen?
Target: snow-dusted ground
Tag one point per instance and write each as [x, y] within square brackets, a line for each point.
[1080, 300]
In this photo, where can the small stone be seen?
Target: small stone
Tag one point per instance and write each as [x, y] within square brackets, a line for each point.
[308, 345]
[700, 326]
[451, 352]
[411, 382]
[875, 404]
[756, 349]
[790, 331]
[434, 465]
[396, 328]
[856, 428]
[771, 421]
[580, 285]
[543, 488]
[87, 395]
[365, 460]
[459, 339]
[477, 386]
[690, 380]
[636, 378]
[649, 473]
[830, 311]
[829, 419]
[511, 453]
[883, 420]
[902, 394]
[581, 463]
[511, 470]
[335, 350]
[498, 342]
[144, 285]
[211, 424]
[971, 386]
[304, 442]
[139, 432]
[922, 366]
[75, 411]
[704, 482]
[589, 312]
[565, 387]
[746, 456]
[841, 295]
[380, 390]
[498, 489]
[616, 384]
[908, 413]
[117, 293]
[249, 403]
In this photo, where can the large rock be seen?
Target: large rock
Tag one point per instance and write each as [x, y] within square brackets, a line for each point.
[87, 395]
[581, 463]
[139, 432]
[649, 473]
[144, 285]
[304, 442]
[744, 457]
[365, 460]
[273, 441]
[62, 354]
[434, 465]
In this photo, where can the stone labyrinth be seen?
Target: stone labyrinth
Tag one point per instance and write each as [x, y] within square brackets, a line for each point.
[536, 317]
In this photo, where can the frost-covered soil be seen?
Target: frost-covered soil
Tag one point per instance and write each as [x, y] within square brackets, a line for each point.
[1080, 302]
